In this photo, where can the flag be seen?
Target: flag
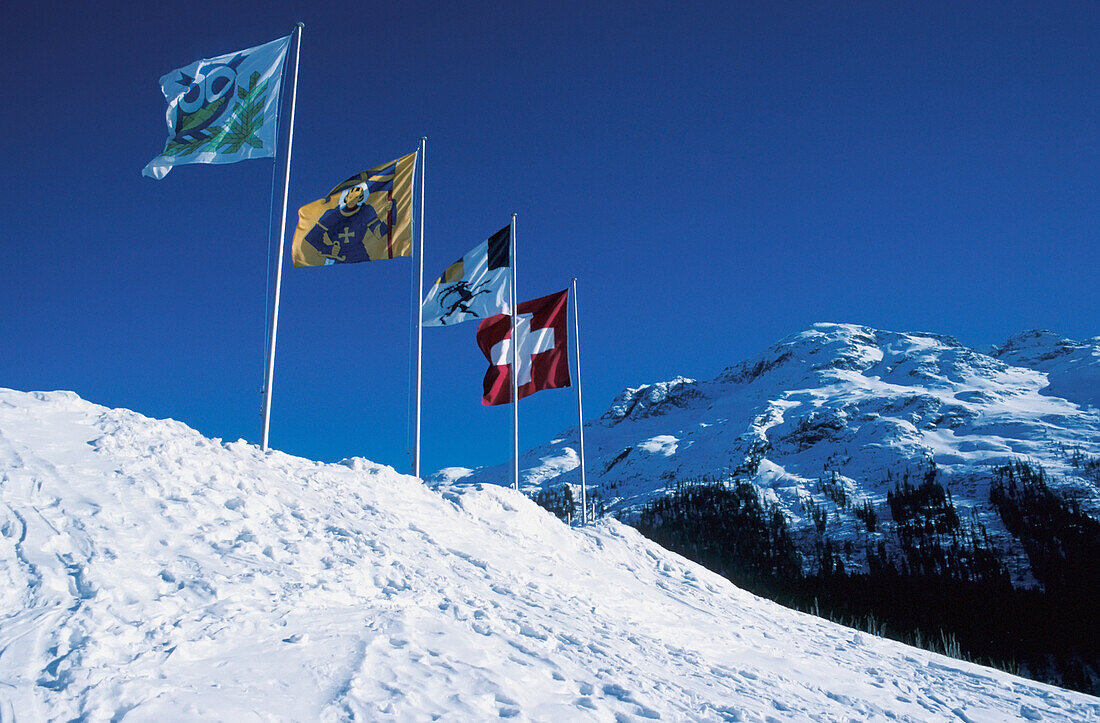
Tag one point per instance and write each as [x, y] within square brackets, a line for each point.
[366, 218]
[478, 285]
[223, 109]
[542, 354]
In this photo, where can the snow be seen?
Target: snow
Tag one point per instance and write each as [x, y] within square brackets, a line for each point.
[448, 475]
[859, 402]
[663, 444]
[149, 573]
[1072, 369]
[550, 466]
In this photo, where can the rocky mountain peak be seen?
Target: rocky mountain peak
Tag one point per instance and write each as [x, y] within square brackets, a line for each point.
[858, 406]
[1072, 367]
[651, 399]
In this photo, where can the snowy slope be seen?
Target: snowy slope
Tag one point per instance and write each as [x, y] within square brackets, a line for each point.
[1072, 368]
[148, 573]
[858, 402]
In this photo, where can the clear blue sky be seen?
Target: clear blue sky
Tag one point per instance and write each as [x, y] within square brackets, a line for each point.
[716, 175]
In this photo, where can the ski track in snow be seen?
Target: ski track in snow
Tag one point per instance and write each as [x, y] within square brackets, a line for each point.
[151, 574]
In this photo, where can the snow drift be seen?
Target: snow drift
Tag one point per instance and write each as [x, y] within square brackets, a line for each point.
[149, 573]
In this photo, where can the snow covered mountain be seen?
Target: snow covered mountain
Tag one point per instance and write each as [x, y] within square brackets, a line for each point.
[830, 418]
[148, 573]
[1072, 368]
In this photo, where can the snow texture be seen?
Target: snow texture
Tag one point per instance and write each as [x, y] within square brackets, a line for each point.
[148, 573]
[1072, 368]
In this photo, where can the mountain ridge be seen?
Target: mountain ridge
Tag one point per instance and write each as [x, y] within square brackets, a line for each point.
[857, 405]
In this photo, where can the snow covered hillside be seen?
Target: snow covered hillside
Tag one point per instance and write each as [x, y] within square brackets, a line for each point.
[1072, 368]
[840, 412]
[149, 573]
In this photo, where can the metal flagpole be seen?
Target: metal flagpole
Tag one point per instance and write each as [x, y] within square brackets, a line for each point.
[419, 309]
[580, 412]
[515, 365]
[270, 376]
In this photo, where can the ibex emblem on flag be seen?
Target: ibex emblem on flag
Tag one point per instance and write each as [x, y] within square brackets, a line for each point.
[461, 305]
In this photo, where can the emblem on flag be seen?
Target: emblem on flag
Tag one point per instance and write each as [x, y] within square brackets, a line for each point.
[223, 109]
[541, 349]
[476, 286]
[366, 218]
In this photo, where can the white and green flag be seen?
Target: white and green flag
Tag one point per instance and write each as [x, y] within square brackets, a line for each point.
[223, 109]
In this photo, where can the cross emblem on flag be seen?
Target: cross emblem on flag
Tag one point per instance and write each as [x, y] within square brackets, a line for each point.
[530, 343]
[542, 352]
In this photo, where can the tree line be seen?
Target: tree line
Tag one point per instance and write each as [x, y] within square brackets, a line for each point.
[943, 583]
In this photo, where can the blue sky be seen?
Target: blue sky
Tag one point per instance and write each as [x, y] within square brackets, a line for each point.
[716, 175]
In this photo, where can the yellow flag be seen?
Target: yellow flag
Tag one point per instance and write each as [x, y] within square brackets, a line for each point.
[366, 218]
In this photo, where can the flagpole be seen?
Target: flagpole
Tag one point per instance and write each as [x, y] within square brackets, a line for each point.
[515, 364]
[270, 376]
[580, 412]
[419, 308]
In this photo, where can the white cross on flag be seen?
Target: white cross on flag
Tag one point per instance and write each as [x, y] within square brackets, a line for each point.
[542, 353]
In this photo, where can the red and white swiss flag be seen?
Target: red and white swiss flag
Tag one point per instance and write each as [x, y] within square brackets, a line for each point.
[542, 353]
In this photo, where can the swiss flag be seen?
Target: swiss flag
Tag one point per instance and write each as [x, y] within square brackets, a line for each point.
[542, 353]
